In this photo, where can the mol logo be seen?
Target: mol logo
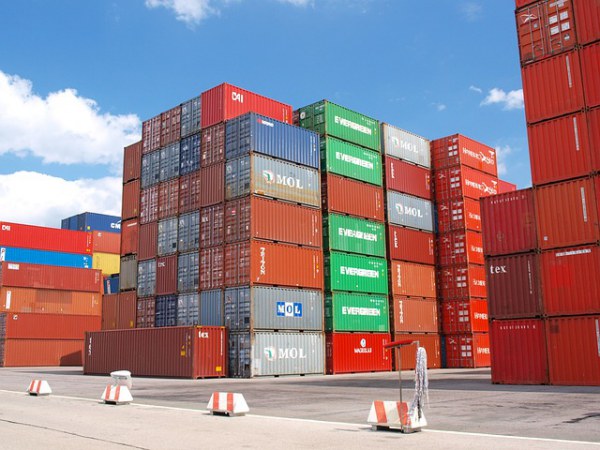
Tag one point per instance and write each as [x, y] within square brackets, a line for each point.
[237, 97]
[289, 309]
[271, 353]
[408, 211]
[269, 177]
[404, 145]
[272, 178]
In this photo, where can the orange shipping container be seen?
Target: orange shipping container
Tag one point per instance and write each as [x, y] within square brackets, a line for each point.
[47, 326]
[109, 311]
[468, 350]
[414, 315]
[50, 277]
[130, 234]
[104, 242]
[413, 280]
[41, 352]
[408, 354]
[131, 200]
[126, 310]
[50, 301]
[343, 195]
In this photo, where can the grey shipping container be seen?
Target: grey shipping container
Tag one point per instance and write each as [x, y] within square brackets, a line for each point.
[129, 272]
[146, 278]
[211, 308]
[188, 232]
[273, 308]
[166, 311]
[150, 169]
[405, 145]
[276, 353]
[169, 162]
[191, 114]
[409, 211]
[189, 155]
[167, 236]
[188, 272]
[188, 309]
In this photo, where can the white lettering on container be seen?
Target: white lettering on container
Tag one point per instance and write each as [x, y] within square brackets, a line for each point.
[237, 97]
[263, 264]
[480, 156]
[5, 227]
[345, 232]
[356, 272]
[353, 125]
[289, 181]
[354, 160]
[357, 311]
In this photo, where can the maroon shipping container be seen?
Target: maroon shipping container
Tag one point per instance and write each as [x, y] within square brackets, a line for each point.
[461, 181]
[41, 352]
[343, 195]
[148, 243]
[460, 247]
[211, 268]
[212, 182]
[50, 277]
[166, 275]
[212, 149]
[406, 244]
[127, 308]
[170, 122]
[238, 219]
[459, 214]
[559, 149]
[212, 226]
[590, 62]
[49, 326]
[130, 235]
[457, 150]
[357, 352]
[185, 352]
[151, 130]
[407, 178]
[131, 200]
[570, 281]
[414, 315]
[514, 286]
[505, 186]
[237, 264]
[468, 350]
[464, 316]
[509, 223]
[146, 310]
[567, 214]
[574, 350]
[413, 280]
[528, 365]
[168, 199]
[462, 282]
[225, 101]
[553, 87]
[43, 238]
[587, 17]
[408, 356]
[521, 3]
[110, 312]
[189, 192]
[593, 118]
[149, 205]
[132, 162]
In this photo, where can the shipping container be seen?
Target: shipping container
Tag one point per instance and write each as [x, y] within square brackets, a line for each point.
[128, 273]
[407, 178]
[126, 309]
[212, 226]
[40, 352]
[42, 238]
[353, 235]
[169, 162]
[587, 17]
[49, 301]
[514, 286]
[166, 275]
[50, 277]
[186, 352]
[146, 311]
[590, 61]
[467, 350]
[148, 241]
[406, 244]
[457, 150]
[48, 326]
[405, 145]
[110, 312]
[462, 282]
[464, 316]
[170, 122]
[528, 365]
[408, 355]
[457, 182]
[188, 272]
[151, 130]
[191, 112]
[93, 222]
[505, 186]
[130, 207]
[346, 196]
[459, 214]
[357, 352]
[167, 239]
[327, 118]
[188, 309]
[356, 273]
[168, 199]
[189, 192]
[107, 263]
[150, 171]
[414, 315]
[237, 264]
[149, 205]
[413, 280]
[188, 232]
[111, 284]
[211, 268]
[132, 162]
[593, 117]
[212, 185]
[460, 247]
[165, 314]
[268, 353]
[48, 258]
[106, 242]
[189, 154]
[356, 312]
[146, 278]
[521, 3]
[212, 147]
[349, 160]
[212, 308]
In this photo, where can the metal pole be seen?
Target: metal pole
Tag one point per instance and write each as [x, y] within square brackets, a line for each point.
[400, 384]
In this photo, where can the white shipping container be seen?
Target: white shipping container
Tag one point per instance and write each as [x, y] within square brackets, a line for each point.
[405, 145]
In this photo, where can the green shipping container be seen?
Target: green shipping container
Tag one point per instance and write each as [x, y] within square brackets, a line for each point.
[355, 273]
[352, 161]
[356, 312]
[353, 235]
[330, 119]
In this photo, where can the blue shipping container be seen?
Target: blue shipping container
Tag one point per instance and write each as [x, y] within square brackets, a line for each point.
[189, 155]
[255, 133]
[191, 113]
[111, 285]
[165, 314]
[211, 308]
[92, 222]
[25, 255]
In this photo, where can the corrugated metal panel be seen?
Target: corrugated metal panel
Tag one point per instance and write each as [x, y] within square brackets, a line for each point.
[406, 244]
[587, 17]
[166, 275]
[128, 274]
[212, 308]
[413, 280]
[212, 226]
[238, 219]
[95, 222]
[167, 236]
[38, 352]
[459, 214]
[151, 134]
[237, 263]
[409, 211]
[191, 112]
[405, 145]
[343, 195]
[356, 273]
[170, 126]
[457, 150]
[131, 200]
[189, 192]
[468, 350]
[169, 162]
[146, 311]
[349, 234]
[106, 242]
[150, 171]
[356, 312]
[351, 161]
[211, 268]
[166, 311]
[529, 365]
[593, 118]
[149, 205]
[168, 199]
[456, 182]
[25, 255]
[188, 232]
[212, 149]
[407, 178]
[188, 309]
[110, 312]
[514, 286]
[42, 238]
[146, 279]
[148, 241]
[126, 308]
[464, 316]
[50, 277]
[460, 247]
[357, 352]
[590, 61]
[48, 326]
[107, 263]
[188, 274]
[50, 301]
[132, 162]
[505, 186]
[212, 185]
[189, 154]
[431, 343]
[462, 282]
[414, 315]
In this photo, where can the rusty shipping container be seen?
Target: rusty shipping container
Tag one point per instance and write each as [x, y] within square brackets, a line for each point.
[50, 277]
[40, 352]
[413, 280]
[168, 198]
[170, 122]
[126, 310]
[464, 316]
[462, 282]
[130, 207]
[44, 238]
[587, 17]
[467, 350]
[590, 61]
[407, 178]
[406, 244]
[457, 182]
[357, 352]
[148, 241]
[151, 130]
[414, 315]
[408, 356]
[459, 214]
[189, 192]
[212, 149]
[128, 273]
[146, 311]
[237, 264]
[212, 184]
[211, 268]
[105, 242]
[343, 195]
[48, 326]
[149, 205]
[132, 162]
[458, 150]
[593, 117]
[166, 275]
[110, 312]
[49, 301]
[212, 226]
[460, 247]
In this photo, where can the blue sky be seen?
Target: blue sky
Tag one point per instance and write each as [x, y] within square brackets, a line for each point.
[77, 78]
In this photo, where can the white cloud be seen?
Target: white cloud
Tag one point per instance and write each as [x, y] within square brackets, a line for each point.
[37, 199]
[472, 11]
[476, 89]
[509, 100]
[62, 128]
[502, 153]
[298, 2]
[188, 11]
[440, 106]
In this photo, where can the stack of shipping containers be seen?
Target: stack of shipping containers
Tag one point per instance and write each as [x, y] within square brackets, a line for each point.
[356, 272]
[410, 231]
[464, 171]
[556, 314]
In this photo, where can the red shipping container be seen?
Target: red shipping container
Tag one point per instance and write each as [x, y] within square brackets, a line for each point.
[528, 365]
[170, 122]
[127, 308]
[211, 268]
[357, 352]
[238, 219]
[509, 223]
[48, 326]
[413, 280]
[406, 244]
[110, 312]
[212, 148]
[185, 352]
[237, 264]
[43, 238]
[132, 162]
[462, 282]
[41, 352]
[130, 235]
[570, 281]
[50, 301]
[590, 62]
[567, 214]
[514, 286]
[166, 275]
[468, 350]
[464, 316]
[459, 214]
[105, 242]
[189, 192]
[225, 101]
[212, 184]
[168, 199]
[553, 87]
[286, 265]
[505, 186]
[347, 196]
[460, 247]
[149, 205]
[408, 356]
[407, 178]
[521, 3]
[461, 181]
[414, 315]
[146, 310]
[148, 242]
[212, 226]
[50, 277]
[587, 17]
[593, 119]
[457, 150]
[131, 200]
[151, 130]
[559, 149]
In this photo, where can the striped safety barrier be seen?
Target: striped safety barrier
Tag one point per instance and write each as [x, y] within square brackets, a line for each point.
[228, 403]
[116, 395]
[39, 387]
[387, 414]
